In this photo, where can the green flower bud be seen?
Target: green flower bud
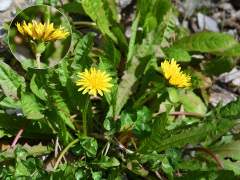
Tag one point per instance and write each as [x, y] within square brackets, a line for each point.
[37, 47]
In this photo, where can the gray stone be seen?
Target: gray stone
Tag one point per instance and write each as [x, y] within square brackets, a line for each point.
[205, 22]
[217, 16]
[124, 3]
[10, 11]
[230, 76]
[184, 5]
[188, 154]
[217, 93]
[236, 82]
[128, 32]
[236, 15]
[193, 22]
[228, 7]
[2, 31]
[18, 112]
[5, 4]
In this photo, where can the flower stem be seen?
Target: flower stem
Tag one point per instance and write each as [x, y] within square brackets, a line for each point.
[101, 152]
[64, 151]
[182, 113]
[85, 23]
[187, 14]
[84, 116]
[17, 137]
[49, 13]
[38, 60]
[209, 152]
[19, 133]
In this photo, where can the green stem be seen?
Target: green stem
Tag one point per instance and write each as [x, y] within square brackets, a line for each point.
[84, 116]
[64, 151]
[209, 152]
[84, 23]
[17, 137]
[170, 176]
[38, 60]
[223, 21]
[111, 104]
[189, 10]
[48, 14]
[137, 105]
[101, 152]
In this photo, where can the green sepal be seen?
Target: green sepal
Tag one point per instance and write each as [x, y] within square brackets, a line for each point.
[37, 47]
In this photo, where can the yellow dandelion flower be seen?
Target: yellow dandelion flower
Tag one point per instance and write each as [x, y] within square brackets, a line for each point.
[59, 34]
[27, 28]
[174, 75]
[21, 29]
[94, 82]
[45, 32]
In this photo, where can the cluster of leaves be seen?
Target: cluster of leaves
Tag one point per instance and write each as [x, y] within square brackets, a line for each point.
[142, 139]
[32, 167]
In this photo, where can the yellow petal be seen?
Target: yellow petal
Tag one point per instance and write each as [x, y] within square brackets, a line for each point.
[36, 29]
[95, 93]
[105, 89]
[100, 92]
[20, 29]
[85, 91]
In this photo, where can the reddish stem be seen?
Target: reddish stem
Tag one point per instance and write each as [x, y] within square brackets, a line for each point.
[17, 137]
[182, 113]
[186, 113]
[209, 152]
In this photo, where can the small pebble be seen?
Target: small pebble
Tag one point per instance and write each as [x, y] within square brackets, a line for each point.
[124, 3]
[5, 4]
[205, 22]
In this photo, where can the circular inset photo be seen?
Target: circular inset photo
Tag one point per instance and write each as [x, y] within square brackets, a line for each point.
[40, 36]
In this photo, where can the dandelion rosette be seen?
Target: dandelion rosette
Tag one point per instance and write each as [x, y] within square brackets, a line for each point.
[94, 81]
[174, 74]
[42, 32]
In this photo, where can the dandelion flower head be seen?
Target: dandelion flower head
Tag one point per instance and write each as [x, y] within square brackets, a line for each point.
[174, 74]
[45, 32]
[94, 81]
